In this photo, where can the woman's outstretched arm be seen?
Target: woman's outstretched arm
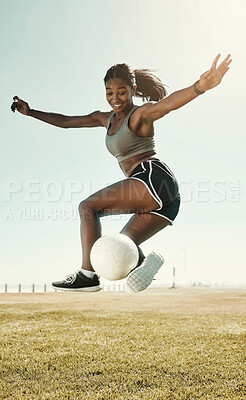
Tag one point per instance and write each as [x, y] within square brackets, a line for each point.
[207, 81]
[97, 118]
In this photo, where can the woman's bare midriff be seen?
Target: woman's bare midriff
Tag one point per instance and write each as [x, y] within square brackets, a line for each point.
[128, 165]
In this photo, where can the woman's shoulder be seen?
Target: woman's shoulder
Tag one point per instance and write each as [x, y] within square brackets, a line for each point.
[146, 105]
[140, 111]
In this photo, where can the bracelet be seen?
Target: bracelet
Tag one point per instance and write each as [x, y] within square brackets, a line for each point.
[196, 90]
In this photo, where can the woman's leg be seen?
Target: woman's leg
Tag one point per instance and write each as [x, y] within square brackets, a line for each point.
[143, 226]
[128, 196]
[124, 197]
[140, 228]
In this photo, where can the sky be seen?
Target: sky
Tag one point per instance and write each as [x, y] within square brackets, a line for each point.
[54, 55]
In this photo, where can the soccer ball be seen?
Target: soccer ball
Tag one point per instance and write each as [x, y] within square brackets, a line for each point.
[114, 256]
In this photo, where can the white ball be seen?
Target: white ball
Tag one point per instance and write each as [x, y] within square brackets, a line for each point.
[114, 256]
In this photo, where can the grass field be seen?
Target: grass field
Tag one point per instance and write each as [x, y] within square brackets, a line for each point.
[156, 345]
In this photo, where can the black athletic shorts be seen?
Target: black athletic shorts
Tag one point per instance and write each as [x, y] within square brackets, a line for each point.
[162, 185]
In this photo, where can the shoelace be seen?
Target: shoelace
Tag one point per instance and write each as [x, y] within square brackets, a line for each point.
[71, 278]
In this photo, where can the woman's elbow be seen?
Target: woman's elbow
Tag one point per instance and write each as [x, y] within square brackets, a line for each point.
[66, 122]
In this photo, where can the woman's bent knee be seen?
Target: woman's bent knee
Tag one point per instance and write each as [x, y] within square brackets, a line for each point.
[87, 210]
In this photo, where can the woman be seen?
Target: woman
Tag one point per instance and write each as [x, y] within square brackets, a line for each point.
[150, 190]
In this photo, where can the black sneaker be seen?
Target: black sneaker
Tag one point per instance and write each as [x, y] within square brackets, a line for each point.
[78, 282]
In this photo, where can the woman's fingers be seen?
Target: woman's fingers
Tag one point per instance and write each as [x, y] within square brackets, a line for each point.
[221, 69]
[13, 107]
[224, 66]
[14, 104]
[226, 62]
[215, 61]
[20, 105]
[227, 59]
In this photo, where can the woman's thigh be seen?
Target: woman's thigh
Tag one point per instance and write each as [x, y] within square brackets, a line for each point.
[141, 227]
[126, 196]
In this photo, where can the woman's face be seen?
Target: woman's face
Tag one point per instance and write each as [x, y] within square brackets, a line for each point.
[119, 94]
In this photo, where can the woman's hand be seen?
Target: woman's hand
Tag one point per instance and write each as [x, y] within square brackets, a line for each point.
[214, 75]
[20, 105]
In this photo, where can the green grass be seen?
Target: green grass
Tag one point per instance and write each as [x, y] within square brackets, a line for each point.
[160, 344]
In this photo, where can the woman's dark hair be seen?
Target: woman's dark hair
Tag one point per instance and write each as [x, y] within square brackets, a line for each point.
[149, 87]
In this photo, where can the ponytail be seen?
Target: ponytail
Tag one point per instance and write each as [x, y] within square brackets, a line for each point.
[149, 87]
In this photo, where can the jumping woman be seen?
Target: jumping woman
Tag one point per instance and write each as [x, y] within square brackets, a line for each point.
[150, 190]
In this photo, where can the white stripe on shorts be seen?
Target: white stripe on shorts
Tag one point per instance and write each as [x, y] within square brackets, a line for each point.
[154, 195]
[156, 199]
[150, 172]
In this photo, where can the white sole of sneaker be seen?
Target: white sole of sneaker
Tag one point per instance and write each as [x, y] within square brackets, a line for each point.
[140, 278]
[86, 289]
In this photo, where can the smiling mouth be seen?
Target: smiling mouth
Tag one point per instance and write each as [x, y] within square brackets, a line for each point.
[116, 105]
